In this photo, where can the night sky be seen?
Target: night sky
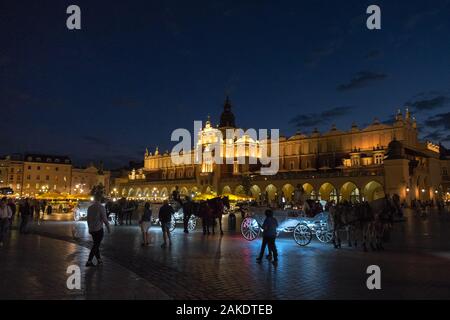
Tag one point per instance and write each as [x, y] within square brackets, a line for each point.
[139, 69]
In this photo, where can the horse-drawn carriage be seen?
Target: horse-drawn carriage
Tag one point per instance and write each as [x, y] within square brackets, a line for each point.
[293, 221]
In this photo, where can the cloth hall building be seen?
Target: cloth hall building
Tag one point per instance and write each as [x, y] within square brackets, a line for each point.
[357, 164]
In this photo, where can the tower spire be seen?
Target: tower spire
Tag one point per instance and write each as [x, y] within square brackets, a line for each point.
[227, 117]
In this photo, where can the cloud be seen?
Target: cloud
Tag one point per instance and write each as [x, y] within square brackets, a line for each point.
[428, 101]
[362, 79]
[441, 120]
[438, 135]
[314, 119]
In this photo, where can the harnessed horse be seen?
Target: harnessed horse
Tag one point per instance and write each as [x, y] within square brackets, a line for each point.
[217, 206]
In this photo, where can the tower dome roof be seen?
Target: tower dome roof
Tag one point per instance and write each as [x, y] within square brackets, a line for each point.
[395, 150]
[227, 117]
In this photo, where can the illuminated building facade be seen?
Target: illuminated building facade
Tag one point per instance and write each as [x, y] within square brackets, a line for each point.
[355, 165]
[84, 179]
[32, 174]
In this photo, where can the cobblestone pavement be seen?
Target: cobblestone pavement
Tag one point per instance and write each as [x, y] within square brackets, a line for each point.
[34, 267]
[414, 265]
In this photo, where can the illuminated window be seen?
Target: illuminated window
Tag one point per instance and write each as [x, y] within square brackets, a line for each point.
[379, 158]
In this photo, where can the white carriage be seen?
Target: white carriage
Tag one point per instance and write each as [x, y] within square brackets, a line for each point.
[292, 221]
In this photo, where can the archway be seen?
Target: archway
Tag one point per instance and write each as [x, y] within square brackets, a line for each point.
[184, 191]
[164, 193]
[309, 191]
[373, 191]
[146, 192]
[255, 191]
[155, 193]
[131, 192]
[209, 190]
[138, 192]
[124, 192]
[226, 190]
[327, 192]
[239, 190]
[288, 190]
[350, 192]
[194, 191]
[271, 192]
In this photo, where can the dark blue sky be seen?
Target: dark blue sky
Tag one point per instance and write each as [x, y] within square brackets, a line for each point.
[139, 69]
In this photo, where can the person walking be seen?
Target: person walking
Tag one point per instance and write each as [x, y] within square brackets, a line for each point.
[188, 208]
[96, 217]
[36, 210]
[131, 207]
[49, 209]
[5, 216]
[165, 217]
[269, 235]
[26, 211]
[11, 204]
[145, 223]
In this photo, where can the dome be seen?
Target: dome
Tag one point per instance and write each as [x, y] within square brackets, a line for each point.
[395, 150]
[227, 117]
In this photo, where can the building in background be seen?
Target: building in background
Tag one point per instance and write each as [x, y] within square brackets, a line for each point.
[32, 174]
[355, 165]
[46, 173]
[84, 179]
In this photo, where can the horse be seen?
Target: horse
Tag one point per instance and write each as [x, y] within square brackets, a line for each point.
[217, 206]
[374, 219]
[189, 208]
[342, 218]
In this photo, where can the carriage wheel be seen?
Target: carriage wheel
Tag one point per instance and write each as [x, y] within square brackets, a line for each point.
[302, 234]
[172, 224]
[324, 235]
[250, 229]
[192, 223]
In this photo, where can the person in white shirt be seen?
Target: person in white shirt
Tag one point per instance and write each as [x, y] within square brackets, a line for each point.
[96, 217]
[5, 216]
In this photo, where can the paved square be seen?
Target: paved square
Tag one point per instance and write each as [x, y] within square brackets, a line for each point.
[414, 265]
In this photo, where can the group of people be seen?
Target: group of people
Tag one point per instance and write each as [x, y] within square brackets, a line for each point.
[420, 207]
[123, 209]
[27, 208]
